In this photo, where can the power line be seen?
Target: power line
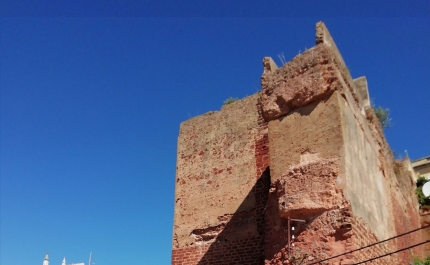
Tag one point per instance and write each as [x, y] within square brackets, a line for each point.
[370, 245]
[387, 254]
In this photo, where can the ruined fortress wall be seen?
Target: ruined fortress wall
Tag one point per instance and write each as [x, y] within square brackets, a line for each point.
[219, 189]
[329, 165]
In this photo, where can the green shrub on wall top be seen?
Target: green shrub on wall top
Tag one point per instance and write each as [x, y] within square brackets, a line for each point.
[383, 116]
[230, 100]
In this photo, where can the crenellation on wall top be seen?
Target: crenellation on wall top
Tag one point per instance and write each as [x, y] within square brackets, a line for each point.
[323, 36]
[269, 65]
[362, 89]
[311, 76]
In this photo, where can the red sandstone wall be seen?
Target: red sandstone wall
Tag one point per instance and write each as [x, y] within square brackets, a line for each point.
[249, 250]
[329, 165]
[222, 187]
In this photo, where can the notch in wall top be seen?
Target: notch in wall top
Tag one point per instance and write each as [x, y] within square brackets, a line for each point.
[269, 65]
[360, 84]
[323, 36]
[308, 77]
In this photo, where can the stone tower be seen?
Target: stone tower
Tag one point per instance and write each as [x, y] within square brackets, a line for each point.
[309, 147]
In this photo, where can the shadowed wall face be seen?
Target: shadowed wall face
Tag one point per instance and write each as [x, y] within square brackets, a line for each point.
[232, 244]
[220, 186]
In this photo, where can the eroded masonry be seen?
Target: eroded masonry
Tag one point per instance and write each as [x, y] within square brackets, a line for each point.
[309, 147]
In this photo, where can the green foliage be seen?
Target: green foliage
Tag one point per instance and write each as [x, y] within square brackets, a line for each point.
[418, 261]
[422, 200]
[383, 116]
[421, 181]
[230, 100]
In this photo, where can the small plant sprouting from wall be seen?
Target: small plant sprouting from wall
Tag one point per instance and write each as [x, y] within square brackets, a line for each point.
[422, 200]
[230, 100]
[383, 115]
[282, 58]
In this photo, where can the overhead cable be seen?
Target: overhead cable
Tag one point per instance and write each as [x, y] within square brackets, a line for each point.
[371, 245]
[387, 254]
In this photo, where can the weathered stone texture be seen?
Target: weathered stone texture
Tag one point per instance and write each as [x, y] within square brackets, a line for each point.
[361, 167]
[216, 169]
[308, 77]
[221, 185]
[329, 165]
[308, 133]
[309, 188]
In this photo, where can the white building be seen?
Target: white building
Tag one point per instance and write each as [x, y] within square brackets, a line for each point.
[422, 166]
[46, 261]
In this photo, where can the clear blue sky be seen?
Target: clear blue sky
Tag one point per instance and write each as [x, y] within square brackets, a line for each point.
[92, 96]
